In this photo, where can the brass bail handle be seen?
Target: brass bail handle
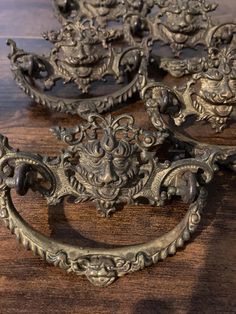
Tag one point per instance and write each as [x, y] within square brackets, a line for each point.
[156, 181]
[102, 266]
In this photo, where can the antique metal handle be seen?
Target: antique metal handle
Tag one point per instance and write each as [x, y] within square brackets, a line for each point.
[160, 99]
[101, 266]
[109, 161]
[127, 66]
[88, 49]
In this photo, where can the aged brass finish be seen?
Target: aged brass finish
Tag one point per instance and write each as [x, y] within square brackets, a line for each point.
[160, 99]
[177, 23]
[82, 54]
[109, 161]
[115, 166]
[210, 93]
[114, 39]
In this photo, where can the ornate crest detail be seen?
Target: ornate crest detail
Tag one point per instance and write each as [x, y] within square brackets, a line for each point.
[114, 160]
[81, 55]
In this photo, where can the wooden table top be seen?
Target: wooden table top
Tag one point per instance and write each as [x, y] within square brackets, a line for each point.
[201, 278]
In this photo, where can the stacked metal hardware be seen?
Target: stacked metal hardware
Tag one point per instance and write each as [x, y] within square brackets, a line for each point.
[110, 161]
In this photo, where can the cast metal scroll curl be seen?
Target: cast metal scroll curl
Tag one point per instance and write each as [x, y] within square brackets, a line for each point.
[121, 159]
[82, 55]
[161, 100]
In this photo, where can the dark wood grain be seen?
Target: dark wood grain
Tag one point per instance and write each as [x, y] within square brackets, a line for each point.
[199, 279]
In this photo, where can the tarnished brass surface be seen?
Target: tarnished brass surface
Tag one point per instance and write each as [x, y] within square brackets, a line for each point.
[82, 54]
[107, 170]
[178, 23]
[109, 160]
[100, 40]
[160, 100]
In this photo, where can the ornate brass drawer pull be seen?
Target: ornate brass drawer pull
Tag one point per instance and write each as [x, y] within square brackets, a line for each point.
[106, 154]
[160, 99]
[109, 161]
[82, 55]
[210, 94]
[88, 50]
[179, 24]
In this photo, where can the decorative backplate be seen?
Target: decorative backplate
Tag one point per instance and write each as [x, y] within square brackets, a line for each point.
[115, 161]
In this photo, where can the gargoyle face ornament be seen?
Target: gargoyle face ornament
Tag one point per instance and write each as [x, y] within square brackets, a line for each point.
[184, 23]
[213, 91]
[112, 152]
[115, 161]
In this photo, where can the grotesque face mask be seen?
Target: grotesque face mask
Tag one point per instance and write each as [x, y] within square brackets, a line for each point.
[217, 86]
[113, 161]
[184, 22]
[109, 166]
